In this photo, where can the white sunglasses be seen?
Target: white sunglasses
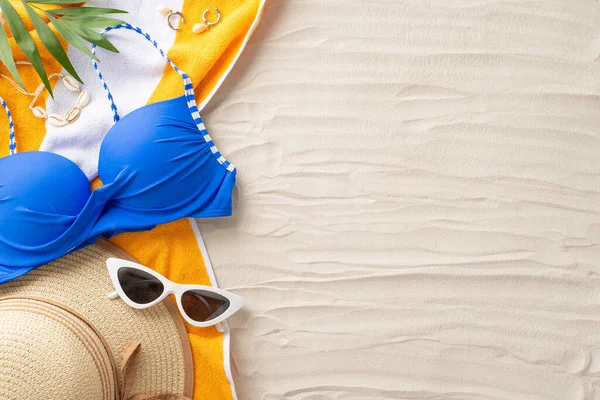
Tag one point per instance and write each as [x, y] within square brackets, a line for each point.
[141, 287]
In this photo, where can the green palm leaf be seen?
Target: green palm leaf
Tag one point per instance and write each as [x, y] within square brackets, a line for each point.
[50, 41]
[73, 24]
[90, 35]
[7, 58]
[94, 21]
[55, 1]
[24, 41]
[81, 11]
[69, 36]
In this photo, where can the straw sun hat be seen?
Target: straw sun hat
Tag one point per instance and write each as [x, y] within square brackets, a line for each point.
[61, 338]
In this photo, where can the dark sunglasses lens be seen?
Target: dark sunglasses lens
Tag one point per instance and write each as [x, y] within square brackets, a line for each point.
[203, 306]
[140, 286]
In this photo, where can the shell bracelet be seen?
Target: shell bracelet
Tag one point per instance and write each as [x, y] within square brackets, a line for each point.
[73, 114]
[54, 119]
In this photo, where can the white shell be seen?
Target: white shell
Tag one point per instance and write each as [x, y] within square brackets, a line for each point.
[164, 10]
[39, 112]
[199, 28]
[56, 120]
[71, 83]
[73, 114]
[83, 99]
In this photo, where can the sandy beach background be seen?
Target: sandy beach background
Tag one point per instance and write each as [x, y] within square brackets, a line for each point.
[418, 207]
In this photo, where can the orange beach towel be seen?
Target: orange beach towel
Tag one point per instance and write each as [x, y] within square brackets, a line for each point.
[176, 249]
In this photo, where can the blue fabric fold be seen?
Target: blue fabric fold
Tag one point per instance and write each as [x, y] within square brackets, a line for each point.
[156, 166]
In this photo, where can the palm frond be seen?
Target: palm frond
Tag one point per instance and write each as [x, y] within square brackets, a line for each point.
[76, 25]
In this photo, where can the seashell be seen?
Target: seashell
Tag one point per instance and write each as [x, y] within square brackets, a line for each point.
[73, 114]
[39, 112]
[164, 10]
[199, 28]
[83, 99]
[56, 120]
[71, 84]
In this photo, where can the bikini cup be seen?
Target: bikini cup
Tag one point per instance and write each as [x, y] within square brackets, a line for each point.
[158, 164]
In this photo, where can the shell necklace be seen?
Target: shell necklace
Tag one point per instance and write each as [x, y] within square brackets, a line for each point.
[54, 119]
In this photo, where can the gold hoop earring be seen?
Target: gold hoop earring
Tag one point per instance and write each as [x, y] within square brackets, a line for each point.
[201, 27]
[170, 13]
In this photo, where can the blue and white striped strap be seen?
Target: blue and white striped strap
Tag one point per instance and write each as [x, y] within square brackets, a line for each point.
[11, 126]
[188, 87]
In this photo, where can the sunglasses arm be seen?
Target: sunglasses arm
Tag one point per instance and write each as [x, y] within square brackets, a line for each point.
[113, 296]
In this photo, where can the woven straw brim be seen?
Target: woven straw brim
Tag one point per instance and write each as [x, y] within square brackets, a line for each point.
[69, 362]
[81, 281]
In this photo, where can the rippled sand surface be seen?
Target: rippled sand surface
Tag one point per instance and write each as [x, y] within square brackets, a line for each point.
[418, 207]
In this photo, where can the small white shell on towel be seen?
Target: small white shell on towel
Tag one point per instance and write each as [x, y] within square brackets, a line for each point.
[73, 114]
[164, 10]
[71, 84]
[83, 99]
[56, 120]
[199, 28]
[39, 112]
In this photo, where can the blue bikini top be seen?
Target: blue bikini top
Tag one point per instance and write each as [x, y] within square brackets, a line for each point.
[158, 164]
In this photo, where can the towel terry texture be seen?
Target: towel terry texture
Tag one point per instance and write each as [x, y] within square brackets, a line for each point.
[137, 76]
